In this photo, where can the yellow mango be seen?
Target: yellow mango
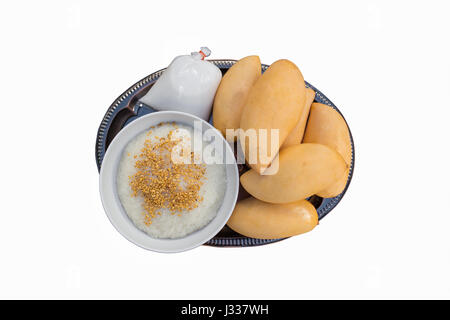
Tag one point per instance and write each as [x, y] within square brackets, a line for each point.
[273, 103]
[304, 170]
[257, 219]
[326, 126]
[296, 135]
[232, 93]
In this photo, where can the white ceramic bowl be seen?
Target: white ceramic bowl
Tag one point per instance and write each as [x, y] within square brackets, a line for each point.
[115, 210]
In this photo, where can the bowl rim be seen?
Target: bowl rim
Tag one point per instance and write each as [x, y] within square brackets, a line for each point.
[115, 211]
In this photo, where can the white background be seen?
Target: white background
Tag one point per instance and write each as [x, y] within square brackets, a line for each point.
[385, 64]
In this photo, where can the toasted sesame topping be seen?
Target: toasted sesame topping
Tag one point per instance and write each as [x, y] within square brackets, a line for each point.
[164, 184]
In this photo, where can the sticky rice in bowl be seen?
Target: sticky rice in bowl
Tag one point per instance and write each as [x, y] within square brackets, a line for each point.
[163, 187]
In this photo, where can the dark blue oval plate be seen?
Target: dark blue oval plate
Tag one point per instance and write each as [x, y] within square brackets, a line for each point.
[127, 108]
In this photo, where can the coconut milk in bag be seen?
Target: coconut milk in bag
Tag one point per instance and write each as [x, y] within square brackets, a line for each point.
[188, 84]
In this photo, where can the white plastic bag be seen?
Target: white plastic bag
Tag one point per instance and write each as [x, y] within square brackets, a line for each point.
[188, 84]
